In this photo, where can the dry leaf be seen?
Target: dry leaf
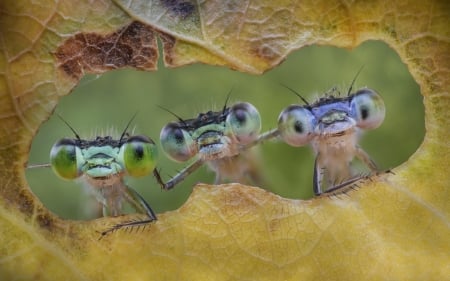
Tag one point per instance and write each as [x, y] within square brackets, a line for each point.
[395, 226]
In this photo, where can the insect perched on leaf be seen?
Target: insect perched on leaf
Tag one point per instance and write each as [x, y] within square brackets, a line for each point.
[102, 163]
[217, 139]
[332, 125]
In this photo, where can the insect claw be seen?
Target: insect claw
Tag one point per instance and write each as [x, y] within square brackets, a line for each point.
[389, 171]
[158, 178]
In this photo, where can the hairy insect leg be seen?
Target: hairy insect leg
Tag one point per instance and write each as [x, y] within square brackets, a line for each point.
[180, 176]
[344, 184]
[139, 203]
[128, 224]
[353, 181]
[365, 158]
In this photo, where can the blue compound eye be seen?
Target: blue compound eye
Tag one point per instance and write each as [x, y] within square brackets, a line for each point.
[367, 109]
[244, 121]
[177, 143]
[295, 125]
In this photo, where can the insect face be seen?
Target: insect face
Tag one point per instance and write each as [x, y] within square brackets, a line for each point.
[212, 135]
[330, 126]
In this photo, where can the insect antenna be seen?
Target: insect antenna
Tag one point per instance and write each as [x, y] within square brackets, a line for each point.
[126, 128]
[70, 127]
[226, 100]
[354, 79]
[297, 94]
[178, 117]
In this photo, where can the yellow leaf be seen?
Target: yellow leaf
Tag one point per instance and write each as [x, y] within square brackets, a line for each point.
[395, 226]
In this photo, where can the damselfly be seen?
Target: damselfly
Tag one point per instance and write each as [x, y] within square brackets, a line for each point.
[332, 126]
[217, 138]
[102, 163]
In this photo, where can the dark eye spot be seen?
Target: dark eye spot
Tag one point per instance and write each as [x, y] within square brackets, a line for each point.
[178, 135]
[298, 127]
[241, 116]
[364, 112]
[139, 152]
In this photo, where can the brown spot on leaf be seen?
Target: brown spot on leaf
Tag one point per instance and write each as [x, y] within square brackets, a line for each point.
[266, 50]
[182, 9]
[132, 46]
[45, 220]
[26, 202]
[168, 43]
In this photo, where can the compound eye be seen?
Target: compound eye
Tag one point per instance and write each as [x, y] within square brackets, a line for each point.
[295, 125]
[138, 155]
[244, 121]
[65, 158]
[177, 143]
[368, 109]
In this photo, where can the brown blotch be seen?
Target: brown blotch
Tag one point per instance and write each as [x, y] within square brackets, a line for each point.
[265, 50]
[132, 46]
[26, 202]
[45, 221]
[182, 9]
[168, 43]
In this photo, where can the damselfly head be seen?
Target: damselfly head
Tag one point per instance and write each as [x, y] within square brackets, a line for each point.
[298, 125]
[103, 156]
[210, 134]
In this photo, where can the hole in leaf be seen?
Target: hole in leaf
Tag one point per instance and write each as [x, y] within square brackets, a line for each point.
[110, 100]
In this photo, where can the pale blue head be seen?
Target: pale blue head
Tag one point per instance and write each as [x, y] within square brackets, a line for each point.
[331, 116]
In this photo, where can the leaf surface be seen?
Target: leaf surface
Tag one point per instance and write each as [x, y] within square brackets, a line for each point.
[394, 226]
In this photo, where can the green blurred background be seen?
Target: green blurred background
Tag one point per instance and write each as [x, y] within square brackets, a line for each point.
[110, 100]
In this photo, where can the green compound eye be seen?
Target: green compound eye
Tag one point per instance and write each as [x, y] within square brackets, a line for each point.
[244, 121]
[295, 124]
[138, 155]
[367, 109]
[63, 159]
[177, 143]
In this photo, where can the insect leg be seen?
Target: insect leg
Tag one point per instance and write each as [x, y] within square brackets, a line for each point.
[180, 176]
[268, 135]
[139, 203]
[31, 166]
[136, 200]
[344, 184]
[262, 138]
[364, 157]
[317, 177]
